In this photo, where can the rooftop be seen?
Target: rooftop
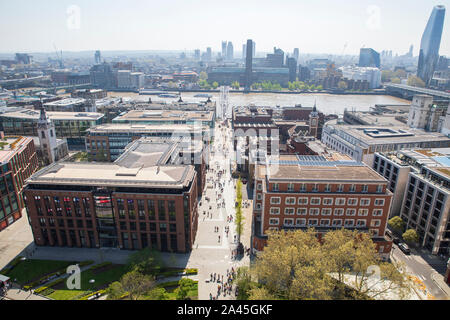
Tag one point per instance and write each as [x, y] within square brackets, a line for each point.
[53, 115]
[65, 102]
[165, 115]
[10, 146]
[142, 128]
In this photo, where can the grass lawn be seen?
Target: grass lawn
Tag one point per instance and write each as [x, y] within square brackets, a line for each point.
[102, 279]
[30, 270]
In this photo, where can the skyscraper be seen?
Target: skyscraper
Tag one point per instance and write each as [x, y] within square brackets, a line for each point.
[430, 43]
[369, 58]
[254, 49]
[197, 54]
[224, 49]
[208, 54]
[98, 57]
[248, 64]
[244, 51]
[296, 54]
[230, 53]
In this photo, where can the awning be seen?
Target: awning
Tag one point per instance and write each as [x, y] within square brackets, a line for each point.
[3, 278]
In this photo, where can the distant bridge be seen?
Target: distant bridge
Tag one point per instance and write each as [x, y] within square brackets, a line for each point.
[407, 92]
[65, 87]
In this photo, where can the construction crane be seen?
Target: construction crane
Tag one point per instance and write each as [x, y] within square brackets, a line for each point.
[59, 57]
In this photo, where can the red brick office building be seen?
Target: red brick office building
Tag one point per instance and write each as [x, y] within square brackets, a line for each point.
[300, 192]
[18, 161]
[109, 205]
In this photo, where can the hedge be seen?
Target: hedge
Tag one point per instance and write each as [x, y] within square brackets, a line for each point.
[101, 292]
[100, 265]
[52, 284]
[11, 265]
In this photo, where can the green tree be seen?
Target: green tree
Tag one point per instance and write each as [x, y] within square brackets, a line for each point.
[400, 73]
[101, 157]
[396, 223]
[235, 85]
[415, 82]
[157, 294]
[203, 75]
[114, 291]
[386, 75]
[134, 284]
[185, 285]
[411, 236]
[147, 261]
[291, 86]
[215, 85]
[342, 85]
[319, 87]
[244, 283]
[239, 221]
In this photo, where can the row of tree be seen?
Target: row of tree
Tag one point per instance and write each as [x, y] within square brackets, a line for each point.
[239, 221]
[342, 265]
[398, 225]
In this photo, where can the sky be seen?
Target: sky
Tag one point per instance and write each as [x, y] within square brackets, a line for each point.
[319, 26]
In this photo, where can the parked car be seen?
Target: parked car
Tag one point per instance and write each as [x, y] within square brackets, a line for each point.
[404, 247]
[389, 234]
[396, 240]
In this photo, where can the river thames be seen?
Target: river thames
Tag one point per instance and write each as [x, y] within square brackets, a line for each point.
[326, 103]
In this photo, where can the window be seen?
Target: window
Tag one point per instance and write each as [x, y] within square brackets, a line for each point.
[365, 188]
[338, 212]
[325, 222]
[172, 212]
[380, 188]
[162, 227]
[303, 188]
[288, 222]
[365, 202]
[361, 223]
[274, 210]
[258, 206]
[327, 188]
[315, 201]
[289, 211]
[290, 187]
[274, 221]
[352, 188]
[377, 212]
[275, 187]
[326, 212]
[259, 186]
[312, 222]
[328, 201]
[121, 208]
[259, 196]
[161, 210]
[337, 222]
[352, 202]
[340, 202]
[375, 223]
[302, 211]
[363, 212]
[351, 212]
[315, 188]
[349, 223]
[151, 209]
[290, 200]
[379, 202]
[131, 212]
[314, 211]
[275, 200]
[141, 209]
[300, 222]
[340, 188]
[303, 201]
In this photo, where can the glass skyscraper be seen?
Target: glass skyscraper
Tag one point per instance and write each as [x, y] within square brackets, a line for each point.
[369, 58]
[429, 46]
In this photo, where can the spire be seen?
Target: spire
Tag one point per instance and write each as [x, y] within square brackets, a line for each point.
[315, 105]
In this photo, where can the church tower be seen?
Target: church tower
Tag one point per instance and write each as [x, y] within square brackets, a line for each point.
[314, 122]
[47, 136]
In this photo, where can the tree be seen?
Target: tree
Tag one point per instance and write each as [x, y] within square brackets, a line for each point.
[185, 285]
[136, 284]
[244, 283]
[261, 294]
[101, 157]
[342, 85]
[319, 87]
[215, 85]
[133, 283]
[410, 236]
[235, 85]
[396, 223]
[203, 75]
[146, 261]
[239, 218]
[158, 294]
[396, 80]
[415, 82]
[386, 75]
[295, 265]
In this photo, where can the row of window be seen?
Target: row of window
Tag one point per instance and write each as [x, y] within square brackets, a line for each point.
[327, 201]
[326, 212]
[325, 188]
[300, 222]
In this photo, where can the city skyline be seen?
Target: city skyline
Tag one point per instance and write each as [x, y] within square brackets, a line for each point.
[343, 27]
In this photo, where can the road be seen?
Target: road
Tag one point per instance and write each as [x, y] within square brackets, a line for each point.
[425, 267]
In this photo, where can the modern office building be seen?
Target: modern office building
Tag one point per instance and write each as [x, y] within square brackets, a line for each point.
[230, 51]
[430, 44]
[292, 66]
[114, 205]
[98, 57]
[426, 194]
[112, 139]
[102, 76]
[224, 49]
[424, 114]
[18, 161]
[69, 125]
[361, 142]
[369, 74]
[70, 105]
[248, 65]
[301, 192]
[369, 58]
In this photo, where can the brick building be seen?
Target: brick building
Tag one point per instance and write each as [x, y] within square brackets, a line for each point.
[111, 205]
[300, 192]
[18, 161]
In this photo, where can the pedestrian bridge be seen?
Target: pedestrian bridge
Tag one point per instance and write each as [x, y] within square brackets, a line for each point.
[407, 92]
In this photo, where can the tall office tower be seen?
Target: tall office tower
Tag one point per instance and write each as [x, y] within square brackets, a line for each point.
[248, 64]
[369, 58]
[410, 53]
[224, 49]
[197, 54]
[244, 51]
[292, 65]
[230, 53]
[430, 43]
[254, 49]
[98, 57]
[208, 54]
[296, 54]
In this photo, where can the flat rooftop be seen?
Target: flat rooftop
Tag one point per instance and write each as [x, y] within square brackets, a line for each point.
[142, 128]
[28, 114]
[374, 135]
[165, 115]
[65, 102]
[114, 175]
[373, 119]
[10, 146]
[318, 168]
